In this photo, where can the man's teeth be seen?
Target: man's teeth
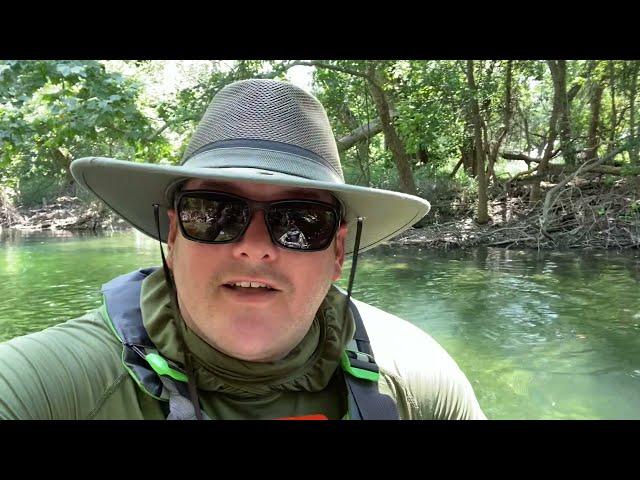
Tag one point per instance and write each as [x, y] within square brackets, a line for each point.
[249, 284]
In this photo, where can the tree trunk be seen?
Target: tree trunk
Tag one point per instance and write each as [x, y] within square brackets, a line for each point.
[467, 156]
[391, 137]
[614, 120]
[633, 90]
[467, 152]
[392, 140]
[506, 121]
[543, 167]
[362, 148]
[566, 140]
[63, 162]
[594, 121]
[422, 156]
[482, 211]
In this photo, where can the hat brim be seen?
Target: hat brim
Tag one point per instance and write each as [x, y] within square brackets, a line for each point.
[131, 189]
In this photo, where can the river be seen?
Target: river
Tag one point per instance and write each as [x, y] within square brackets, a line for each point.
[540, 335]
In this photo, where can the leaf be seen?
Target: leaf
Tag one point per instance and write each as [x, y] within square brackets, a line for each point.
[63, 69]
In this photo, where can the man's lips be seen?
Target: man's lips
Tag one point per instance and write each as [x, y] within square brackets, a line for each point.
[244, 283]
[249, 295]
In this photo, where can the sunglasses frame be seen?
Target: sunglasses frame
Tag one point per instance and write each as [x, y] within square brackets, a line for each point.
[254, 205]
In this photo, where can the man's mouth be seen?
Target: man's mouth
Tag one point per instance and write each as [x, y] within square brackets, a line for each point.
[249, 292]
[250, 285]
[237, 285]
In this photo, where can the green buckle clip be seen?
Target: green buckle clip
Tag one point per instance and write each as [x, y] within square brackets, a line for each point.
[161, 367]
[357, 372]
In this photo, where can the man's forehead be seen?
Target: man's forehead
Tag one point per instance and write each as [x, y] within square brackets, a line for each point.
[256, 189]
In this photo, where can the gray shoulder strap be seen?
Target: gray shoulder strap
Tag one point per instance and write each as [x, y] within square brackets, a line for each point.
[365, 401]
[180, 406]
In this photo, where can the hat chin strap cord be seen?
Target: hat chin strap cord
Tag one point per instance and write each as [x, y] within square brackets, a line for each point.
[354, 263]
[193, 390]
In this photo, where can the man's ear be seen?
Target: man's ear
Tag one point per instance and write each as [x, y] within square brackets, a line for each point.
[171, 240]
[339, 250]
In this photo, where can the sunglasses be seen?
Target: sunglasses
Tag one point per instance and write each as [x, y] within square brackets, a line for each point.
[216, 217]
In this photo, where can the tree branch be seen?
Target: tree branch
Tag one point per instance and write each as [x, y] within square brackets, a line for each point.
[585, 167]
[328, 66]
[279, 69]
[519, 156]
[361, 133]
[573, 91]
[157, 132]
[527, 158]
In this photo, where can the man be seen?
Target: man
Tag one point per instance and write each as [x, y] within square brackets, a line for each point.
[242, 321]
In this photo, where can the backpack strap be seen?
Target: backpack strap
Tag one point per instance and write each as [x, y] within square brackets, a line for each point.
[180, 406]
[159, 377]
[362, 375]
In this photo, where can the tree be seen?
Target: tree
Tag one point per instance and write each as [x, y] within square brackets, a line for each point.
[376, 76]
[595, 102]
[54, 111]
[482, 214]
[557, 69]
[377, 80]
[631, 70]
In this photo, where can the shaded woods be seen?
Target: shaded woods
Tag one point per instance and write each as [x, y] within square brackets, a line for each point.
[509, 152]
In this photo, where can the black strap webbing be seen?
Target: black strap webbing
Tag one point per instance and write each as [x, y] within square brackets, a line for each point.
[365, 401]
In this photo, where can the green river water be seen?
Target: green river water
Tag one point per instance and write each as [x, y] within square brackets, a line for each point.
[540, 335]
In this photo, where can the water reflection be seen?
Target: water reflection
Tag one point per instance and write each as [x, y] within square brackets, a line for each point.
[47, 278]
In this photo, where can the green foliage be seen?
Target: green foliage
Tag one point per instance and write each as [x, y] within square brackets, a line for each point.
[430, 109]
[630, 170]
[345, 97]
[38, 187]
[609, 180]
[54, 111]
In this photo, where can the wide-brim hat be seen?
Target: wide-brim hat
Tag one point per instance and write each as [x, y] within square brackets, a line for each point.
[262, 131]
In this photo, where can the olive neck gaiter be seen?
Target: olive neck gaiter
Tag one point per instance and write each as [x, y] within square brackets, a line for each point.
[308, 367]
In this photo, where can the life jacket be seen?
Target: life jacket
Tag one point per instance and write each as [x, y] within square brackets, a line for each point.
[166, 381]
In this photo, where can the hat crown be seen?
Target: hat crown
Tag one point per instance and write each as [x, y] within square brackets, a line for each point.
[267, 110]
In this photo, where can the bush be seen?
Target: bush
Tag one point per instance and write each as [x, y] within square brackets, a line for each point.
[33, 190]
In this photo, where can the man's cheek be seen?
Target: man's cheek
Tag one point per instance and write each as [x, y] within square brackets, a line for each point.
[337, 271]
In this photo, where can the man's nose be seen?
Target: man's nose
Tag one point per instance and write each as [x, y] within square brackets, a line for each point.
[256, 244]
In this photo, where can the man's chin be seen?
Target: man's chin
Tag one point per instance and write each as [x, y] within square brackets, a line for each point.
[253, 340]
[257, 353]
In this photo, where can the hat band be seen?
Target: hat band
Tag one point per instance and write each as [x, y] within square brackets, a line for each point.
[265, 159]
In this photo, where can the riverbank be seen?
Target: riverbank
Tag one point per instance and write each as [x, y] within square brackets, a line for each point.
[586, 215]
[65, 213]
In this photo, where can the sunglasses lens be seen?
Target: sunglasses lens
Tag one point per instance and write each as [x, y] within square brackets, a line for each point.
[213, 219]
[302, 226]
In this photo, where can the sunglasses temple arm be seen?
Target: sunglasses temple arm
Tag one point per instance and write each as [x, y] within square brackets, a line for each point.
[193, 391]
[354, 264]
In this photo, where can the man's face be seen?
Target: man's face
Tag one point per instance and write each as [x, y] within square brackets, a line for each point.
[252, 323]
